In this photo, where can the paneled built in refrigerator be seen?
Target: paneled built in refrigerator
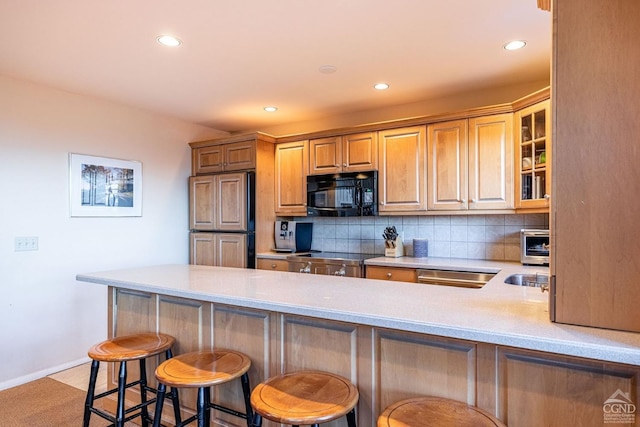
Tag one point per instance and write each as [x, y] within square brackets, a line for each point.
[222, 219]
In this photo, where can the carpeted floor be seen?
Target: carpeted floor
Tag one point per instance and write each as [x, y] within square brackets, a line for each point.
[44, 403]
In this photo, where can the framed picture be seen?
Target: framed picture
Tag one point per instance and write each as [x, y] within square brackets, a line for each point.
[100, 186]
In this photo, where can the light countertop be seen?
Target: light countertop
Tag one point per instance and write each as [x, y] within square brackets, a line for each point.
[498, 313]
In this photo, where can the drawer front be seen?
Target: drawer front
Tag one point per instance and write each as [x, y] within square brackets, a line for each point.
[273, 264]
[396, 274]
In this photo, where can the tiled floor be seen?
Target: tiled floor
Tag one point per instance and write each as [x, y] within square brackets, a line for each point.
[78, 377]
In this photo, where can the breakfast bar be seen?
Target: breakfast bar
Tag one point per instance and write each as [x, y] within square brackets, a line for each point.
[492, 347]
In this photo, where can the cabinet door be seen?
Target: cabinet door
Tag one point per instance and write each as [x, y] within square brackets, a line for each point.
[202, 249]
[447, 170]
[402, 185]
[208, 159]
[325, 155]
[218, 249]
[292, 168]
[202, 199]
[240, 156]
[231, 250]
[533, 157]
[360, 152]
[231, 202]
[491, 162]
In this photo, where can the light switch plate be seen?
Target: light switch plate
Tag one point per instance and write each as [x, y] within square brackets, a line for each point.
[26, 243]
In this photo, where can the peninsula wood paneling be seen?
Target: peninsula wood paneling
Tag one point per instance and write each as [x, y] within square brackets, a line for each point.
[523, 388]
[537, 389]
[190, 323]
[595, 235]
[409, 365]
[319, 345]
[247, 331]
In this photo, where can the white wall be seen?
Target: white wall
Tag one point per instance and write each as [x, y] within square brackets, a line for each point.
[47, 319]
[437, 105]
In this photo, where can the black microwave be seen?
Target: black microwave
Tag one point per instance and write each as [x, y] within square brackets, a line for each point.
[343, 194]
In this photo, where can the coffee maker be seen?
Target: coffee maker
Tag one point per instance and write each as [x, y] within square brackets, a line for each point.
[293, 236]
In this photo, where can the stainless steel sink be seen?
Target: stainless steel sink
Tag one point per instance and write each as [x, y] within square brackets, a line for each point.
[534, 280]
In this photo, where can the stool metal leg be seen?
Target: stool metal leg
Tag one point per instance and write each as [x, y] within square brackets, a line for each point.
[157, 415]
[351, 418]
[95, 365]
[143, 393]
[175, 399]
[246, 391]
[122, 381]
[202, 407]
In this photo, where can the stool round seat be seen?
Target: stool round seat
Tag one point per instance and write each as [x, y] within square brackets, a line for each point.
[435, 412]
[304, 398]
[123, 350]
[203, 368]
[131, 347]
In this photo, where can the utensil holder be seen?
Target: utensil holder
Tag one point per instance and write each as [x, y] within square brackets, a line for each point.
[396, 250]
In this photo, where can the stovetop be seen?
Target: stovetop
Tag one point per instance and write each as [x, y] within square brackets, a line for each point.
[332, 256]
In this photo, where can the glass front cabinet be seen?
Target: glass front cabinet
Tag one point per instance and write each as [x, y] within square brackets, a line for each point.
[533, 157]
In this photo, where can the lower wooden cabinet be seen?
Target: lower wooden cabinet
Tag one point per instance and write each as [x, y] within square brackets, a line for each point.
[523, 388]
[397, 274]
[218, 249]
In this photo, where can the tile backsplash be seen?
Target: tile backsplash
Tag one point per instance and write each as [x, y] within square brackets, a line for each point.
[491, 237]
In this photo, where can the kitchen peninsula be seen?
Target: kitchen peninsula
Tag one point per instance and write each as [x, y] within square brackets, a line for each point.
[492, 347]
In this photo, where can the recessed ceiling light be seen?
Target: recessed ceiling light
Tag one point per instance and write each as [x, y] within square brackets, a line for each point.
[515, 45]
[168, 40]
[381, 86]
[271, 109]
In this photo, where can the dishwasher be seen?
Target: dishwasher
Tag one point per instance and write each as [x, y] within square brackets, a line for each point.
[462, 279]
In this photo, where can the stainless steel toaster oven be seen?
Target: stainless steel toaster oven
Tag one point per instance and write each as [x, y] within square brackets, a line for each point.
[534, 247]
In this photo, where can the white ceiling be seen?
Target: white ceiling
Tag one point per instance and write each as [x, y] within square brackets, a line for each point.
[238, 56]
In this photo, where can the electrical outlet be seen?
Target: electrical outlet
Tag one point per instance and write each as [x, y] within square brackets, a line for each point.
[28, 243]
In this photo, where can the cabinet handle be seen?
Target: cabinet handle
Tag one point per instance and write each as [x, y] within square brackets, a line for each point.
[546, 196]
[273, 266]
[344, 165]
[462, 201]
[388, 275]
[473, 200]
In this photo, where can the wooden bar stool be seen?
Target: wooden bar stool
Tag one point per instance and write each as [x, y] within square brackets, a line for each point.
[435, 412]
[305, 398]
[204, 369]
[123, 349]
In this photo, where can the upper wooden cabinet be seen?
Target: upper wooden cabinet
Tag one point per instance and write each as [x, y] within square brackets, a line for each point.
[491, 162]
[292, 168]
[348, 153]
[447, 168]
[206, 196]
[252, 151]
[471, 164]
[533, 156]
[402, 177]
[224, 157]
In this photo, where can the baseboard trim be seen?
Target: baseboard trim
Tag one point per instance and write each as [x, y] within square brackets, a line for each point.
[42, 373]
